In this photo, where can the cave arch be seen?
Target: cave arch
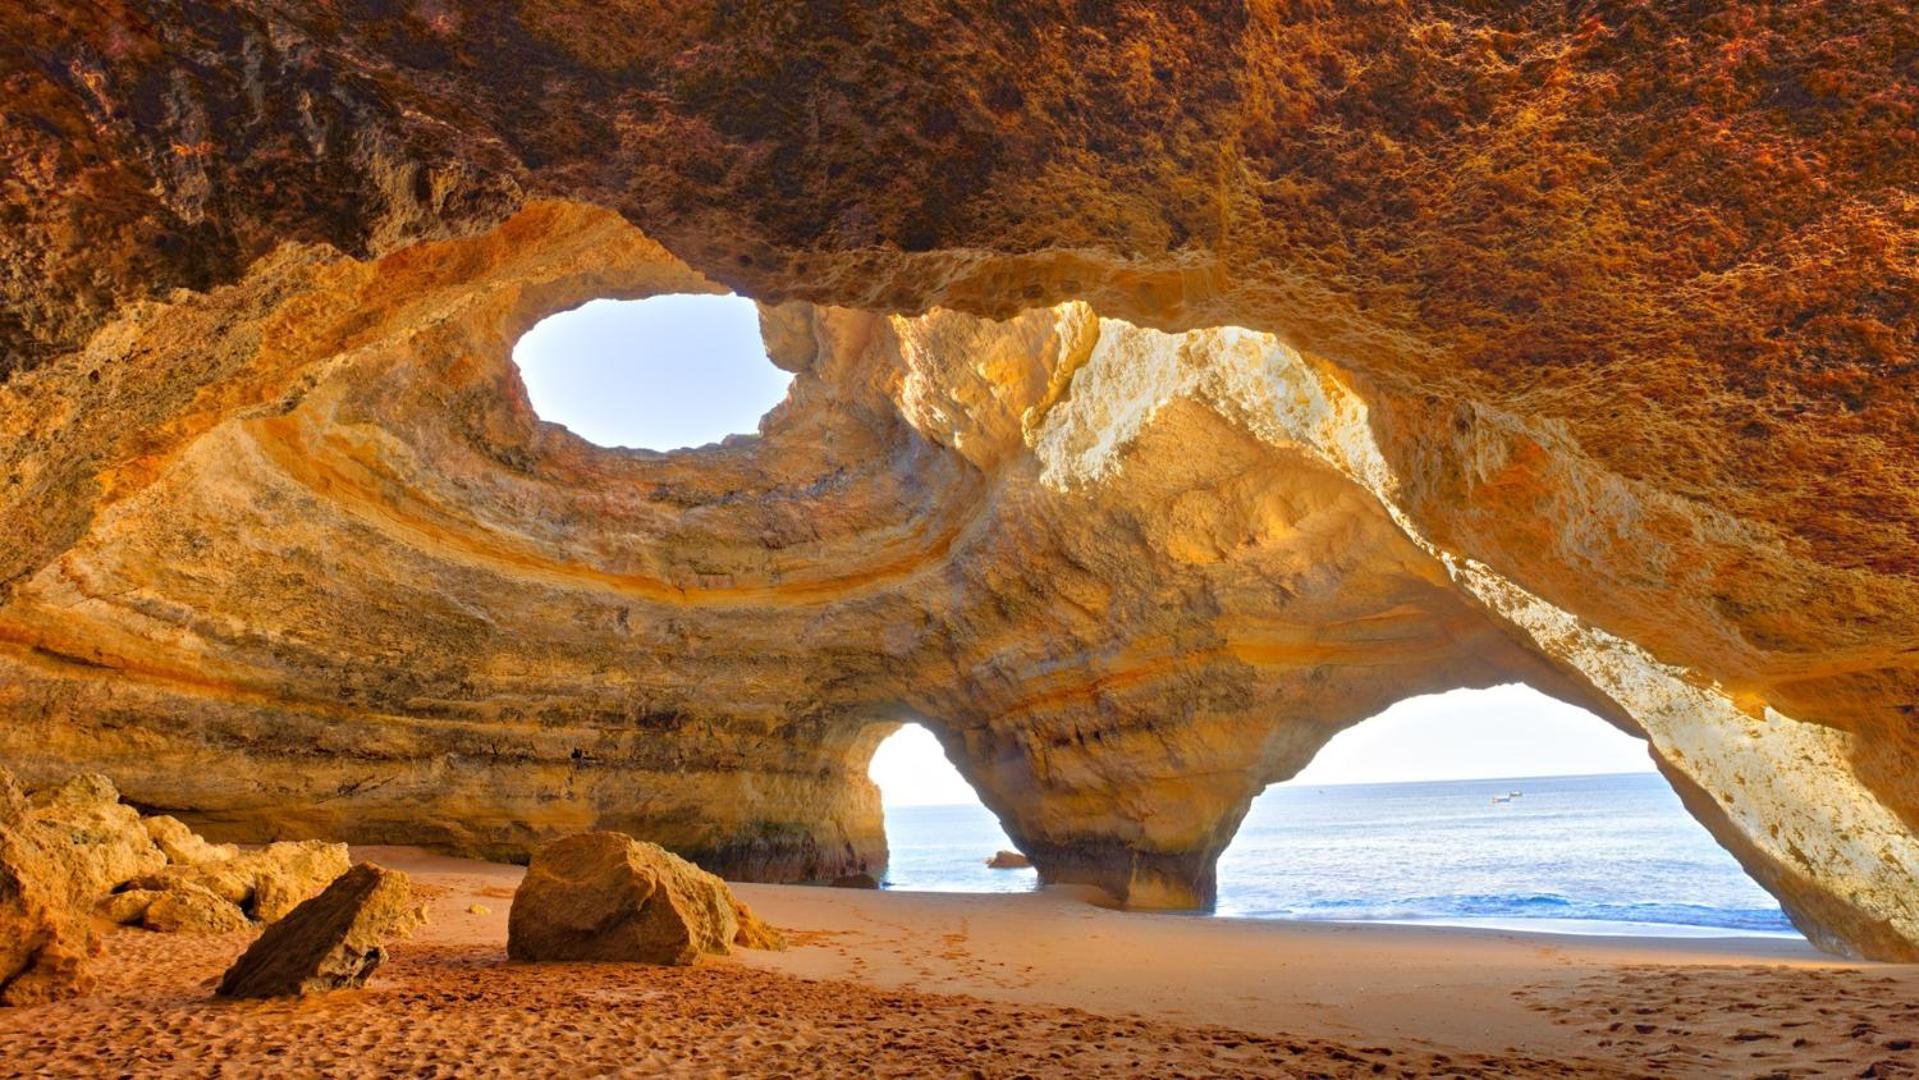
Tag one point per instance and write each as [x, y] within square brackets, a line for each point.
[939, 833]
[1137, 573]
[1498, 807]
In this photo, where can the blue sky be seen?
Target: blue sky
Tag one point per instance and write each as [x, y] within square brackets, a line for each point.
[662, 373]
[1500, 732]
[677, 371]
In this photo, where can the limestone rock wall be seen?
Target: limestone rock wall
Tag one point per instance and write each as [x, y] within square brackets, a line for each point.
[417, 613]
[1572, 345]
[374, 529]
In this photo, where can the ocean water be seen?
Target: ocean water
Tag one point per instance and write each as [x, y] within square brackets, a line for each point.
[1583, 854]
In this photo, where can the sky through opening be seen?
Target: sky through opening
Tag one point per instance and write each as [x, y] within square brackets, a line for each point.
[1504, 731]
[664, 373]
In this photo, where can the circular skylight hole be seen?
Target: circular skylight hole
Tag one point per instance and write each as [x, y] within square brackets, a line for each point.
[664, 373]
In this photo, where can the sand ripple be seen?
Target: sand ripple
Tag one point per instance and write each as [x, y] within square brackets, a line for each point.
[441, 1011]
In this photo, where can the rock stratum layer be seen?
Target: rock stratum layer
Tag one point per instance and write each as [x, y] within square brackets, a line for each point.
[1175, 386]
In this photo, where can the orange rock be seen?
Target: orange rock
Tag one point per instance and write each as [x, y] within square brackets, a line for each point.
[1163, 413]
[191, 909]
[606, 896]
[183, 846]
[265, 884]
[60, 850]
[754, 932]
[332, 941]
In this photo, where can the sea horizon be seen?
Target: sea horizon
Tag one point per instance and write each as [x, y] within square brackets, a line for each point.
[1367, 783]
[1604, 853]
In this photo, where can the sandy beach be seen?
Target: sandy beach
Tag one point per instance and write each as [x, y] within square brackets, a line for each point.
[898, 984]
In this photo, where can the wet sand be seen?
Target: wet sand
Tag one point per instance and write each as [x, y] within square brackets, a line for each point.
[897, 984]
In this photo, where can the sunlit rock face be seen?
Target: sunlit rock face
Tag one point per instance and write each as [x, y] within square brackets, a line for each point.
[370, 595]
[367, 594]
[1349, 355]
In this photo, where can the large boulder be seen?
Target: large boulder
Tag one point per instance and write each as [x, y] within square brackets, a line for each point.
[607, 896]
[332, 941]
[60, 850]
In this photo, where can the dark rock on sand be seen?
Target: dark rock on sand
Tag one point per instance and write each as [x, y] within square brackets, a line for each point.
[331, 942]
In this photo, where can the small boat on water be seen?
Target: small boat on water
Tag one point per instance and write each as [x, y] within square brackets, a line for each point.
[1502, 798]
[1515, 795]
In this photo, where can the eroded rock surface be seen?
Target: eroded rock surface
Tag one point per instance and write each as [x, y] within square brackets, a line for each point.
[264, 884]
[184, 847]
[1344, 356]
[333, 941]
[185, 908]
[74, 852]
[60, 849]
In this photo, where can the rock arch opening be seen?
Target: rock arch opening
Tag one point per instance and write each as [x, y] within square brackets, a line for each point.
[1497, 807]
[939, 835]
[664, 373]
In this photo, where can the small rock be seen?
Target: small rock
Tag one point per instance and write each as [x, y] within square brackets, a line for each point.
[232, 881]
[183, 846]
[126, 908]
[292, 872]
[1009, 860]
[754, 932]
[333, 941]
[267, 883]
[478, 909]
[190, 909]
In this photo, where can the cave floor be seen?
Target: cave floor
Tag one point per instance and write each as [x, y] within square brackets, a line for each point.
[900, 984]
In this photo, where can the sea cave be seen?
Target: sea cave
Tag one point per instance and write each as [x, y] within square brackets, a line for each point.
[1134, 396]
